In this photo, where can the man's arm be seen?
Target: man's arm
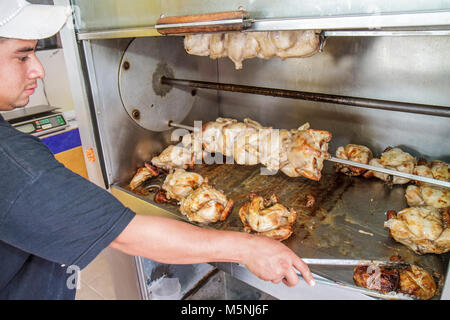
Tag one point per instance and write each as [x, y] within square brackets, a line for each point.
[174, 242]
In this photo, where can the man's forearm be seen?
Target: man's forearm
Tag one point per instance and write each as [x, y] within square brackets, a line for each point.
[174, 242]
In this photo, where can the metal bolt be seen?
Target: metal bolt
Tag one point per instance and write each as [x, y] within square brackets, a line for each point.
[126, 65]
[136, 114]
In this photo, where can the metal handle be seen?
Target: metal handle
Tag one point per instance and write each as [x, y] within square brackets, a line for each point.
[209, 22]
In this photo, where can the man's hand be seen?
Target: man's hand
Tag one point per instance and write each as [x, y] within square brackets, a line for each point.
[271, 260]
[175, 242]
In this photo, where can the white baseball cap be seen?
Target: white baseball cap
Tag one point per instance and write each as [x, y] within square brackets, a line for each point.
[20, 19]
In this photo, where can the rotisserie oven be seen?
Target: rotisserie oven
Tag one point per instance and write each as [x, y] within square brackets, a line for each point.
[306, 121]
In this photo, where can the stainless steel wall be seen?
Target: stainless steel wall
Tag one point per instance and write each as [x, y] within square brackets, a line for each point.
[406, 69]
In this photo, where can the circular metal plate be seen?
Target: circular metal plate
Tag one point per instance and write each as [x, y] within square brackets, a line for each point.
[148, 102]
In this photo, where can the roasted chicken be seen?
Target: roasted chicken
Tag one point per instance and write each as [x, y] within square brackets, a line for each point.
[412, 280]
[306, 153]
[377, 278]
[424, 195]
[180, 183]
[212, 135]
[236, 129]
[198, 201]
[206, 204]
[430, 195]
[142, 175]
[435, 169]
[393, 159]
[239, 46]
[273, 151]
[356, 153]
[423, 229]
[247, 142]
[267, 217]
[174, 157]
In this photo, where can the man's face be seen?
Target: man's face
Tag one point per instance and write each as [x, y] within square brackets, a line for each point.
[19, 71]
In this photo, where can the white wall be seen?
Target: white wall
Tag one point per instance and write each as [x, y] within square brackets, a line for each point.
[54, 89]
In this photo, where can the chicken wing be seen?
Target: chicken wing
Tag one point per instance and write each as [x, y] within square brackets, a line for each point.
[267, 217]
[142, 175]
[356, 153]
[423, 229]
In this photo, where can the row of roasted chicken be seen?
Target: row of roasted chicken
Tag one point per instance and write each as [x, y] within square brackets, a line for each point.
[239, 46]
[424, 227]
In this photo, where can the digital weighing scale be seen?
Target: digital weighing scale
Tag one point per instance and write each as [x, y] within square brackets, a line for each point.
[36, 120]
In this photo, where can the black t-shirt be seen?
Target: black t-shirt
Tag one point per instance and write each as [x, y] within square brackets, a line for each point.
[53, 222]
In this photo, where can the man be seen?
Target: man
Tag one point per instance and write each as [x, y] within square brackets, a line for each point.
[51, 218]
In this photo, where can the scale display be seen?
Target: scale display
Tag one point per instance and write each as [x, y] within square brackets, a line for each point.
[43, 125]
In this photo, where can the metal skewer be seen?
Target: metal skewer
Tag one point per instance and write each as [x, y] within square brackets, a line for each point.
[360, 165]
[354, 262]
[441, 111]
[392, 172]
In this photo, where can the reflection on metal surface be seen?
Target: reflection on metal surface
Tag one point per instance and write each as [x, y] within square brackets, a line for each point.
[140, 86]
[140, 205]
[363, 21]
[149, 31]
[385, 33]
[115, 14]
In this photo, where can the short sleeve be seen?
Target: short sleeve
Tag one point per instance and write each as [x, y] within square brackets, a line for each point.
[57, 214]
[64, 218]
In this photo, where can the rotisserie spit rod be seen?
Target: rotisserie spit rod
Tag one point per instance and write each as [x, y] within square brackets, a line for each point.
[360, 165]
[433, 110]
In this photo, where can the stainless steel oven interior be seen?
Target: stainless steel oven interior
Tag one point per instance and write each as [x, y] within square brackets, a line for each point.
[130, 109]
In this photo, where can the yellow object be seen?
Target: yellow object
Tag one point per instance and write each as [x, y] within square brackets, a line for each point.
[73, 160]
